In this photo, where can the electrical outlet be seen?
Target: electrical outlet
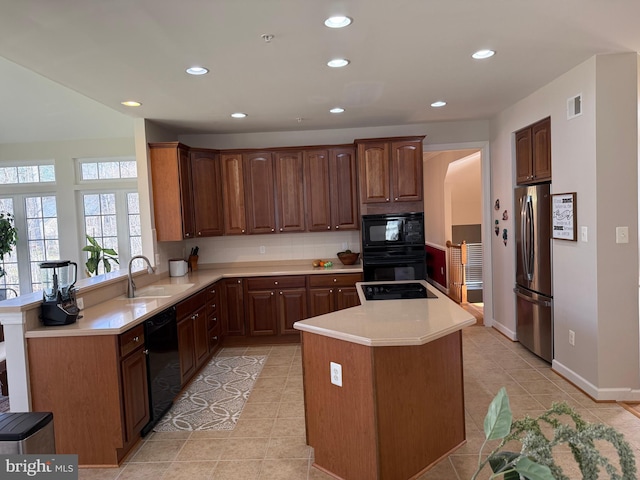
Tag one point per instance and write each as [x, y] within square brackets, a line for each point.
[345, 246]
[157, 258]
[572, 338]
[583, 234]
[263, 250]
[80, 303]
[622, 234]
[336, 374]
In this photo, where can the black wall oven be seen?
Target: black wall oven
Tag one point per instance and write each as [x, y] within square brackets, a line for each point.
[393, 247]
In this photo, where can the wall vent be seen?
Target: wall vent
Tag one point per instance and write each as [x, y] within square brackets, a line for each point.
[574, 106]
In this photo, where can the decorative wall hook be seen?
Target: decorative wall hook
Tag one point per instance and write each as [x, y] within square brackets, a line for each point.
[504, 236]
[497, 205]
[505, 215]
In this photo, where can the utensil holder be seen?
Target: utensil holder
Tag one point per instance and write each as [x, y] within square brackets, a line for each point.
[193, 263]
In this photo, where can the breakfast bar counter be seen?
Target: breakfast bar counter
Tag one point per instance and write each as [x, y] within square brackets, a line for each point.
[383, 386]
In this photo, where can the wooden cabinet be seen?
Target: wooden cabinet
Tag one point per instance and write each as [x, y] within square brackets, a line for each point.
[331, 189]
[233, 193]
[390, 171]
[533, 153]
[329, 293]
[213, 310]
[289, 172]
[193, 346]
[260, 192]
[274, 304]
[206, 182]
[172, 193]
[233, 308]
[133, 371]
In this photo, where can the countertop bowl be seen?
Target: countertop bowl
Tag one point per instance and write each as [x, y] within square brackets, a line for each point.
[348, 258]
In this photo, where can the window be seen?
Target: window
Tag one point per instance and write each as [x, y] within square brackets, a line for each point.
[10, 262]
[107, 169]
[42, 234]
[27, 174]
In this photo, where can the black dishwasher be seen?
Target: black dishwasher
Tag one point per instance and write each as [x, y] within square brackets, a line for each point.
[163, 364]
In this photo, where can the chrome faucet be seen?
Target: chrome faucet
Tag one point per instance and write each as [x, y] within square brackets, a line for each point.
[131, 289]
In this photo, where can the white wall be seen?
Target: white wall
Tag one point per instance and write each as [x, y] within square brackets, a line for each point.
[464, 178]
[595, 282]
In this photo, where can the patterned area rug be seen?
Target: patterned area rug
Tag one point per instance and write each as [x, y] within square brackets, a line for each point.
[4, 404]
[216, 397]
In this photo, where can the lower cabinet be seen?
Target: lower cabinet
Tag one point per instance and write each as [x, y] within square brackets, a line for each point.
[135, 394]
[329, 293]
[274, 304]
[233, 308]
[213, 310]
[193, 343]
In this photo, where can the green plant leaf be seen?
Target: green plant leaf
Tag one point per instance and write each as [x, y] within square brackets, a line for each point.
[109, 251]
[92, 241]
[503, 461]
[532, 470]
[91, 248]
[107, 265]
[92, 265]
[497, 423]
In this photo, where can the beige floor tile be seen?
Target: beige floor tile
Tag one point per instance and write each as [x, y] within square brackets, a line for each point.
[144, 471]
[190, 471]
[99, 473]
[284, 469]
[291, 409]
[253, 427]
[441, 471]
[158, 451]
[237, 470]
[270, 382]
[265, 395]
[466, 465]
[275, 360]
[260, 410]
[275, 371]
[288, 427]
[244, 449]
[202, 450]
[317, 474]
[202, 434]
[153, 436]
[288, 447]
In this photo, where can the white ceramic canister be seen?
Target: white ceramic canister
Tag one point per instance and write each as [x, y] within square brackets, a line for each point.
[177, 267]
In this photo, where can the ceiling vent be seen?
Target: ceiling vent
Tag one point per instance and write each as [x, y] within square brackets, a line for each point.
[574, 106]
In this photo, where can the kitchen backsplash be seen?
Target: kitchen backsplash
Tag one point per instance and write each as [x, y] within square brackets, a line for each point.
[281, 246]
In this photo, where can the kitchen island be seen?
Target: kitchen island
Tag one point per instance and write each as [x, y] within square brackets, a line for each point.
[383, 386]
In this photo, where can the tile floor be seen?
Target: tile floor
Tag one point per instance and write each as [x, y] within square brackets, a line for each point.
[268, 442]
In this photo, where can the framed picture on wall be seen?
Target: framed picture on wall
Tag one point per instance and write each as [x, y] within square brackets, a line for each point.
[563, 216]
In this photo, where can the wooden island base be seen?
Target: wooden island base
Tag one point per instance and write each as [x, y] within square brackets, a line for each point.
[400, 409]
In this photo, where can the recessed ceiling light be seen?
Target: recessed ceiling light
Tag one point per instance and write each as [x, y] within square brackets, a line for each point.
[131, 103]
[438, 104]
[238, 115]
[482, 54]
[338, 62]
[197, 70]
[337, 110]
[338, 21]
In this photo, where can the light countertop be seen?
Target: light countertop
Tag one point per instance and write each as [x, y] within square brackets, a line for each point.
[119, 314]
[379, 323]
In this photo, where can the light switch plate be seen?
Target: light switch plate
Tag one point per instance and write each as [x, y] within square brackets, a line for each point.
[583, 234]
[622, 234]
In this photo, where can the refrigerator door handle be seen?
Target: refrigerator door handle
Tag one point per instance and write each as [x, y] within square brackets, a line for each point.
[529, 298]
[528, 236]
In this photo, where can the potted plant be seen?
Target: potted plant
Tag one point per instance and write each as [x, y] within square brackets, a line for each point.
[8, 237]
[535, 460]
[97, 254]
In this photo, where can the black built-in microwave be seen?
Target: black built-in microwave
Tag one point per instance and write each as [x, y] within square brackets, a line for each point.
[393, 229]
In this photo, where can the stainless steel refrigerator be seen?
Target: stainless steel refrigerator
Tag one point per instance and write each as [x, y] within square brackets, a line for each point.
[534, 294]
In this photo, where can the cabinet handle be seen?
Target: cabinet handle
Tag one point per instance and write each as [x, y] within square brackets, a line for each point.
[213, 291]
[328, 227]
[280, 229]
[199, 234]
[331, 290]
[386, 200]
[136, 339]
[213, 305]
[340, 290]
[214, 338]
[335, 280]
[242, 231]
[275, 283]
[396, 198]
[273, 229]
[187, 234]
[146, 351]
[240, 280]
[271, 293]
[215, 319]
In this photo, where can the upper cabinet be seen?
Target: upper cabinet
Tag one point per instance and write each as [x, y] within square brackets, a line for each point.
[289, 171]
[206, 182]
[260, 192]
[390, 172]
[331, 189]
[533, 153]
[233, 193]
[172, 193]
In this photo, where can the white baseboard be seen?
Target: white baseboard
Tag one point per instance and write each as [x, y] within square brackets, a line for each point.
[510, 334]
[619, 394]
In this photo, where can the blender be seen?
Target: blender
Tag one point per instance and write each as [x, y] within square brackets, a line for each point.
[59, 296]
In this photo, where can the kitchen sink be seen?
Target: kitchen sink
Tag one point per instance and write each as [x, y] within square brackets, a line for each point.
[162, 291]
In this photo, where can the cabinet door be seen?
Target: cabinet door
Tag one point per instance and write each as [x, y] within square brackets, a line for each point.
[347, 297]
[541, 139]
[261, 308]
[186, 349]
[171, 185]
[289, 171]
[135, 394]
[344, 189]
[406, 171]
[201, 336]
[260, 192]
[524, 161]
[373, 170]
[207, 193]
[233, 193]
[318, 190]
[292, 306]
[321, 301]
[233, 318]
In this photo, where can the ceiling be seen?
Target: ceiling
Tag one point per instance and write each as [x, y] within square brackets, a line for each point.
[404, 55]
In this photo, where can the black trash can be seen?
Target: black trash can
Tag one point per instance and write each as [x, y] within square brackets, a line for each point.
[26, 433]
